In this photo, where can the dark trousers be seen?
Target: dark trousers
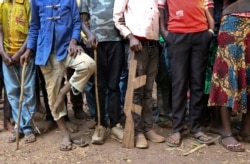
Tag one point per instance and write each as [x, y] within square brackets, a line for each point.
[110, 60]
[7, 108]
[163, 81]
[188, 54]
[147, 64]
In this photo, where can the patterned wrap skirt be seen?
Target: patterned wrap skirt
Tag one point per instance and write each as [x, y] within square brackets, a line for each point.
[230, 84]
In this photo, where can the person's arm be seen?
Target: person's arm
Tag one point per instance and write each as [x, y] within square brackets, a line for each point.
[6, 58]
[34, 28]
[119, 19]
[164, 15]
[73, 49]
[91, 41]
[209, 12]
[76, 21]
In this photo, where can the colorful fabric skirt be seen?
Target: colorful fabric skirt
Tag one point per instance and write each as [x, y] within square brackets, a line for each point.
[230, 84]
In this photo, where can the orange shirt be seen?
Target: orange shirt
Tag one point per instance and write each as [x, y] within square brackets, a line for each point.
[185, 16]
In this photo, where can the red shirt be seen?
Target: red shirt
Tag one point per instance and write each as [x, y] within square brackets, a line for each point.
[185, 16]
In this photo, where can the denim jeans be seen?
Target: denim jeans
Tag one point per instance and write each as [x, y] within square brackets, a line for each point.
[12, 79]
[89, 91]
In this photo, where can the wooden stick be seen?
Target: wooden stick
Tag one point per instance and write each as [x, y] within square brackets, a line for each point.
[195, 149]
[97, 96]
[20, 104]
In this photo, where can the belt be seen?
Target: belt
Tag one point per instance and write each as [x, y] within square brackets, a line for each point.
[150, 43]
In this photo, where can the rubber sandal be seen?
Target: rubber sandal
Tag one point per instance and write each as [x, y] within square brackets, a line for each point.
[171, 140]
[80, 143]
[65, 146]
[13, 138]
[199, 137]
[231, 147]
[29, 138]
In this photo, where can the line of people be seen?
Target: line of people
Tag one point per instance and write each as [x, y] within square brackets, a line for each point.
[50, 34]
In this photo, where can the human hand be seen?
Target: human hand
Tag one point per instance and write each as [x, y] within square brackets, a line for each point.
[134, 43]
[165, 34]
[25, 58]
[92, 42]
[16, 58]
[74, 49]
[7, 59]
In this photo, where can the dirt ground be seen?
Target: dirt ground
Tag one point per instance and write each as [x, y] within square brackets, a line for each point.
[46, 150]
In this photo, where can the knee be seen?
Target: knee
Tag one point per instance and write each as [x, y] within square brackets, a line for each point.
[92, 66]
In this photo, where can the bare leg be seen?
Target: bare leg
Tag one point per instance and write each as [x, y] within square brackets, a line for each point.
[244, 134]
[8, 125]
[215, 123]
[49, 125]
[61, 96]
[225, 118]
[66, 143]
[227, 139]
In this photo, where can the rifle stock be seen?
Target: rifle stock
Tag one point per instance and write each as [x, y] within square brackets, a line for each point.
[129, 107]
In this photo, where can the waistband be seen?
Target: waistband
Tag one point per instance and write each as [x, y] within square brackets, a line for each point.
[150, 43]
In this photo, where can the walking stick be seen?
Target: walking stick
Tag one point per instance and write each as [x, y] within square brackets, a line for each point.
[20, 104]
[97, 97]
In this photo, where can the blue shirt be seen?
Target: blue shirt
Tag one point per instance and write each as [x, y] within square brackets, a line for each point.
[53, 24]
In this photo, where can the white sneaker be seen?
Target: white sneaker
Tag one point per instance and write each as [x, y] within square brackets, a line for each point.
[117, 133]
[99, 135]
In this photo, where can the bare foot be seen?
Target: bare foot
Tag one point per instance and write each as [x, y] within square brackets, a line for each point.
[49, 125]
[66, 144]
[80, 114]
[40, 108]
[8, 126]
[174, 140]
[91, 124]
[72, 128]
[231, 144]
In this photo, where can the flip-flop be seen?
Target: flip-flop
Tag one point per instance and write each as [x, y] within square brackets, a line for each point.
[199, 135]
[65, 146]
[13, 138]
[231, 147]
[171, 140]
[80, 143]
[29, 138]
